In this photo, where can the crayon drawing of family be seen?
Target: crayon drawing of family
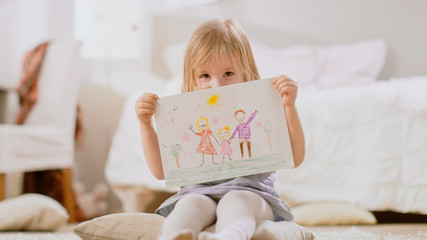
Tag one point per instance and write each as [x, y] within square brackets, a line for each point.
[206, 147]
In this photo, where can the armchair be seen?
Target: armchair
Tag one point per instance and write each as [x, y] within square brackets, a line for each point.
[46, 140]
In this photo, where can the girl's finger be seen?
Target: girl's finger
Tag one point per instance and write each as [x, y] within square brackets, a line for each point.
[288, 84]
[150, 99]
[288, 89]
[146, 105]
[280, 77]
[284, 90]
[146, 111]
[147, 97]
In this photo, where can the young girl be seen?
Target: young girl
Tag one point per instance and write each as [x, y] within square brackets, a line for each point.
[219, 54]
[224, 135]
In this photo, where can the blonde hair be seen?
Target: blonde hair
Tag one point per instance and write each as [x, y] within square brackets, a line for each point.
[198, 126]
[226, 128]
[214, 38]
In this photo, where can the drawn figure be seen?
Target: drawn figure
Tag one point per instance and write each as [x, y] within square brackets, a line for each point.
[224, 135]
[176, 151]
[205, 146]
[244, 130]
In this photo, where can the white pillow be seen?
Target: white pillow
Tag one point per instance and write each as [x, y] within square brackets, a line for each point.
[32, 212]
[349, 64]
[301, 63]
[121, 226]
[323, 66]
[332, 213]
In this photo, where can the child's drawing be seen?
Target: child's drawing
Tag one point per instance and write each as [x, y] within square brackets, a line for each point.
[205, 146]
[244, 130]
[244, 124]
[224, 135]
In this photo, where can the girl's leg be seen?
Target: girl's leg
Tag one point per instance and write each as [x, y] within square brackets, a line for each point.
[248, 143]
[190, 216]
[238, 213]
[241, 147]
[213, 161]
[203, 159]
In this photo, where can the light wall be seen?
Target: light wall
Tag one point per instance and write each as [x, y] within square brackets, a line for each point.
[400, 23]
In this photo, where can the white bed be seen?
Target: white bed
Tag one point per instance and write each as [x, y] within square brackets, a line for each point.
[366, 139]
[366, 145]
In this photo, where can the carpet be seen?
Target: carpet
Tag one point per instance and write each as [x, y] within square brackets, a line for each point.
[37, 236]
[352, 234]
[355, 234]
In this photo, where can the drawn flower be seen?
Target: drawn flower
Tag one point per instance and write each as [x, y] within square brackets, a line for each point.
[268, 127]
[186, 137]
[215, 120]
[175, 151]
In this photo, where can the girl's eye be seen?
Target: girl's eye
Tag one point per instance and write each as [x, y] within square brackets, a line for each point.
[228, 74]
[205, 76]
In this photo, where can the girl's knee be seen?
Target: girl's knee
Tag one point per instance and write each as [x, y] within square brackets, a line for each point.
[240, 195]
[197, 201]
[238, 198]
[243, 202]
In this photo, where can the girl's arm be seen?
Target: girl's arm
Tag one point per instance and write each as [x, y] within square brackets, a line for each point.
[296, 135]
[191, 128]
[215, 138]
[288, 89]
[145, 107]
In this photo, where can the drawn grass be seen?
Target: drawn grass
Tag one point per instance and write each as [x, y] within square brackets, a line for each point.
[228, 169]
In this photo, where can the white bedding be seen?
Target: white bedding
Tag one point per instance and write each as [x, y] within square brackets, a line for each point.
[365, 145]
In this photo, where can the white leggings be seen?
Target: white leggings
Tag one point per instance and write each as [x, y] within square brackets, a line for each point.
[237, 213]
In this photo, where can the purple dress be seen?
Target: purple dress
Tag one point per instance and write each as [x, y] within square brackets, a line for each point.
[261, 184]
[244, 129]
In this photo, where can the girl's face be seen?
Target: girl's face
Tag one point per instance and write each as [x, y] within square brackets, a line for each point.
[203, 124]
[220, 72]
[223, 134]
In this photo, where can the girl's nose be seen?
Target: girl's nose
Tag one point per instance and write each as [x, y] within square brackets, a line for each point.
[216, 82]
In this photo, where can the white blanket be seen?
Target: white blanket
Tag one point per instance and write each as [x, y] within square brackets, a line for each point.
[365, 145]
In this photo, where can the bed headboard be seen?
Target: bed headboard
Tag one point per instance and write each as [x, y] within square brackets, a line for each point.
[280, 23]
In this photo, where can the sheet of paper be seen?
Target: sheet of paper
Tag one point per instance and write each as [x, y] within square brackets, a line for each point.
[223, 132]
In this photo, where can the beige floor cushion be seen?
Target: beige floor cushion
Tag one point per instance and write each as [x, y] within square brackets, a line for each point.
[127, 226]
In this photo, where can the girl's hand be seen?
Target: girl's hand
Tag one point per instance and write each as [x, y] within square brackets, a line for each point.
[145, 106]
[287, 88]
